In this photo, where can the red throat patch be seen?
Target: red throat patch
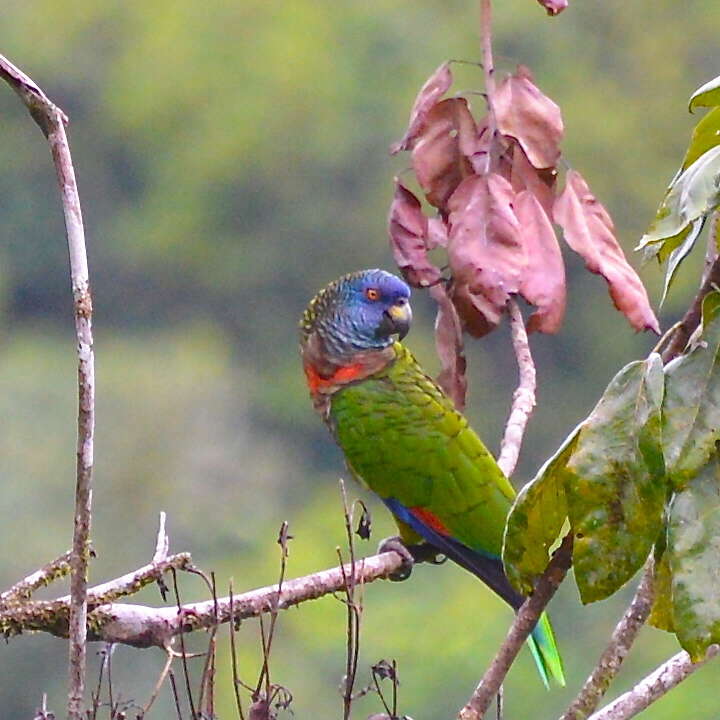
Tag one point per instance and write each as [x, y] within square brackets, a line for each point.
[345, 374]
[429, 519]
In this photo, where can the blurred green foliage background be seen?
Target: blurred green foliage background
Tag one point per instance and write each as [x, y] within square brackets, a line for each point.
[232, 158]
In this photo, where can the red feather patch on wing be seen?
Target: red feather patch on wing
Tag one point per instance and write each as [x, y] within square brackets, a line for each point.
[430, 519]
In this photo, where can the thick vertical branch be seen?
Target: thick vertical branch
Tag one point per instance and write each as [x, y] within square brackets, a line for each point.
[52, 122]
[82, 305]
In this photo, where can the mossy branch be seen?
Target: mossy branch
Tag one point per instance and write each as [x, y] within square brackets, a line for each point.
[142, 626]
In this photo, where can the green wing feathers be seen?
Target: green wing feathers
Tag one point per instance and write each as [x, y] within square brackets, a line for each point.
[402, 435]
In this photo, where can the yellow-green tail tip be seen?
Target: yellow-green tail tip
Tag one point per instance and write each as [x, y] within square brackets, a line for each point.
[545, 653]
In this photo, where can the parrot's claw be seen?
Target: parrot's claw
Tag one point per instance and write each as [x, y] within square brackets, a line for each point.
[410, 554]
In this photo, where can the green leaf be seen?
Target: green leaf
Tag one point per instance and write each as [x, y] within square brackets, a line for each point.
[691, 410]
[707, 95]
[710, 308]
[668, 224]
[536, 519]
[706, 136]
[615, 481]
[679, 253]
[661, 614]
[694, 554]
[662, 249]
[690, 197]
[699, 185]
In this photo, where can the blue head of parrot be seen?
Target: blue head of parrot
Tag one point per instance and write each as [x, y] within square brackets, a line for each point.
[360, 311]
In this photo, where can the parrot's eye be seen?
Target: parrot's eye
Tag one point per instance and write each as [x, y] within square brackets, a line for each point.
[372, 294]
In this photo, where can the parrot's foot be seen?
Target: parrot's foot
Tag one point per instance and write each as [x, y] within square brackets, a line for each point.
[410, 554]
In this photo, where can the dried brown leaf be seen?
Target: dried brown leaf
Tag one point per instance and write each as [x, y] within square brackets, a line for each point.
[437, 234]
[441, 151]
[433, 89]
[485, 248]
[533, 119]
[554, 7]
[543, 282]
[542, 183]
[408, 230]
[589, 231]
[450, 350]
[478, 314]
[480, 151]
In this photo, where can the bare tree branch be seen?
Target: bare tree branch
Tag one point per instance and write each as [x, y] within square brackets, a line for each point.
[51, 121]
[619, 646]
[654, 686]
[47, 574]
[142, 626]
[488, 71]
[522, 626]
[524, 396]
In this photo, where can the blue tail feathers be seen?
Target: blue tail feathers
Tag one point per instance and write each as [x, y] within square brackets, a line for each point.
[489, 569]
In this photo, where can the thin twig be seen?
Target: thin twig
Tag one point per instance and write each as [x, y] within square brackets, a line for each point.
[96, 695]
[522, 626]
[42, 712]
[207, 683]
[353, 610]
[108, 661]
[233, 655]
[488, 71]
[176, 697]
[619, 646]
[158, 684]
[47, 574]
[283, 538]
[183, 655]
[524, 396]
[654, 686]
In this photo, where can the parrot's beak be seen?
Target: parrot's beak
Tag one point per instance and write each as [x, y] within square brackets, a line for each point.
[397, 319]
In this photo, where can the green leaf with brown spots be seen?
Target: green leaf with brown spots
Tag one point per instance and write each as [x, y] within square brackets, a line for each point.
[694, 556]
[536, 520]
[615, 481]
[691, 409]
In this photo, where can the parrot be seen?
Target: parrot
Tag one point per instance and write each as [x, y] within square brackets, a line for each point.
[403, 438]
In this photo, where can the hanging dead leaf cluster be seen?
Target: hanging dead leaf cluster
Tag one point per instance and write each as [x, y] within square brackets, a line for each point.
[493, 184]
